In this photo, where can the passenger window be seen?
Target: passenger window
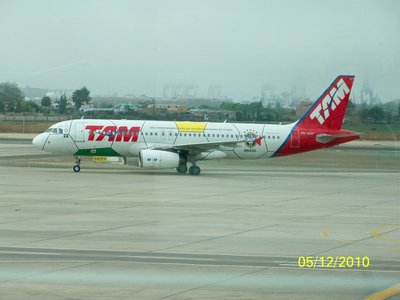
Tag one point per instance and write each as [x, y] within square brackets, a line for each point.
[151, 133]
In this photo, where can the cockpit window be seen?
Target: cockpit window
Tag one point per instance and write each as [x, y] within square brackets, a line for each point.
[53, 130]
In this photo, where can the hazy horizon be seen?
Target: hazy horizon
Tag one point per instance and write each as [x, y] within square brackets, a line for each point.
[137, 47]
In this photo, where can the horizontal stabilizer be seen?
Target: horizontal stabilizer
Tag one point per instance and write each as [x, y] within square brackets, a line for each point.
[326, 137]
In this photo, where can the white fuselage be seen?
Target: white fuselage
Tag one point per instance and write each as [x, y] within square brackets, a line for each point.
[90, 137]
[173, 144]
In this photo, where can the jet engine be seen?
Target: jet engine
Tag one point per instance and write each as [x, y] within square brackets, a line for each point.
[158, 159]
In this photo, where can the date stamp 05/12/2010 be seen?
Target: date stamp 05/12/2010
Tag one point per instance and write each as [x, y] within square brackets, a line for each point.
[334, 262]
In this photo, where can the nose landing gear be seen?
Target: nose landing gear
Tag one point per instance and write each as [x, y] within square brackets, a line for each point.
[77, 167]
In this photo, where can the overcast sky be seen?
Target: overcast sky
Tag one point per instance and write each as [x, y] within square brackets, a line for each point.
[135, 47]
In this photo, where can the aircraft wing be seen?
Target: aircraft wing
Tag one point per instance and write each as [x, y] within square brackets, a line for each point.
[199, 147]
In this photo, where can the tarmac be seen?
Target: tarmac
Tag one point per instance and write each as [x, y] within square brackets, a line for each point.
[236, 231]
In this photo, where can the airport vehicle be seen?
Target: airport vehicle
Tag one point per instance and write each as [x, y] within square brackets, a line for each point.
[169, 144]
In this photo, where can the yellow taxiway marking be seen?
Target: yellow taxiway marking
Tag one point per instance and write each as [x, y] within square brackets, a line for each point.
[326, 232]
[377, 233]
[385, 293]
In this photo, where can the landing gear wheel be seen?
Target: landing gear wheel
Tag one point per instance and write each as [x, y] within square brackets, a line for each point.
[77, 167]
[182, 169]
[194, 170]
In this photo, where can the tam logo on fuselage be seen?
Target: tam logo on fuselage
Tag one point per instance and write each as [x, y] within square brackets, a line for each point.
[114, 133]
[330, 102]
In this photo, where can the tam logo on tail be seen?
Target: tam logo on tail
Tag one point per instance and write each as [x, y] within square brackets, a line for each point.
[330, 102]
[329, 109]
[321, 125]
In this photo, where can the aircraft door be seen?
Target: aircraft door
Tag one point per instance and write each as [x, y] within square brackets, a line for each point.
[79, 132]
[295, 139]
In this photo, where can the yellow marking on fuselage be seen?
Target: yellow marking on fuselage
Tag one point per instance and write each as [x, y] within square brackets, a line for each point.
[191, 126]
[100, 159]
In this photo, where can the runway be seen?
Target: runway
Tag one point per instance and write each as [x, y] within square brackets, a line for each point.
[237, 231]
[32, 255]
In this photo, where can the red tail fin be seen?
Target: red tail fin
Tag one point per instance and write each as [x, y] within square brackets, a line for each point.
[328, 111]
[321, 125]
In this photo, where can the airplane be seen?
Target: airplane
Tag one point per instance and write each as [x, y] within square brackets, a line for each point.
[174, 144]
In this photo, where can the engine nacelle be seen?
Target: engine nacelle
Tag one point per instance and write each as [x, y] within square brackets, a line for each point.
[158, 159]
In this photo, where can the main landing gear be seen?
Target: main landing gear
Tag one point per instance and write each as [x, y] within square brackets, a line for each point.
[77, 167]
[193, 170]
[182, 169]
[183, 160]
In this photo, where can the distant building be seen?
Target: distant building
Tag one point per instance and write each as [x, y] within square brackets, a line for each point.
[180, 90]
[215, 92]
[31, 92]
[285, 99]
[166, 108]
[367, 95]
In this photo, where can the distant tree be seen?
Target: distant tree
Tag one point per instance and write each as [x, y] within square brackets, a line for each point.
[377, 114]
[46, 101]
[62, 107]
[278, 111]
[29, 106]
[364, 114]
[388, 117]
[81, 96]
[351, 109]
[398, 112]
[270, 116]
[10, 97]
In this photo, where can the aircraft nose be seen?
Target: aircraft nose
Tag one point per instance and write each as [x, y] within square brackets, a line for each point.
[39, 140]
